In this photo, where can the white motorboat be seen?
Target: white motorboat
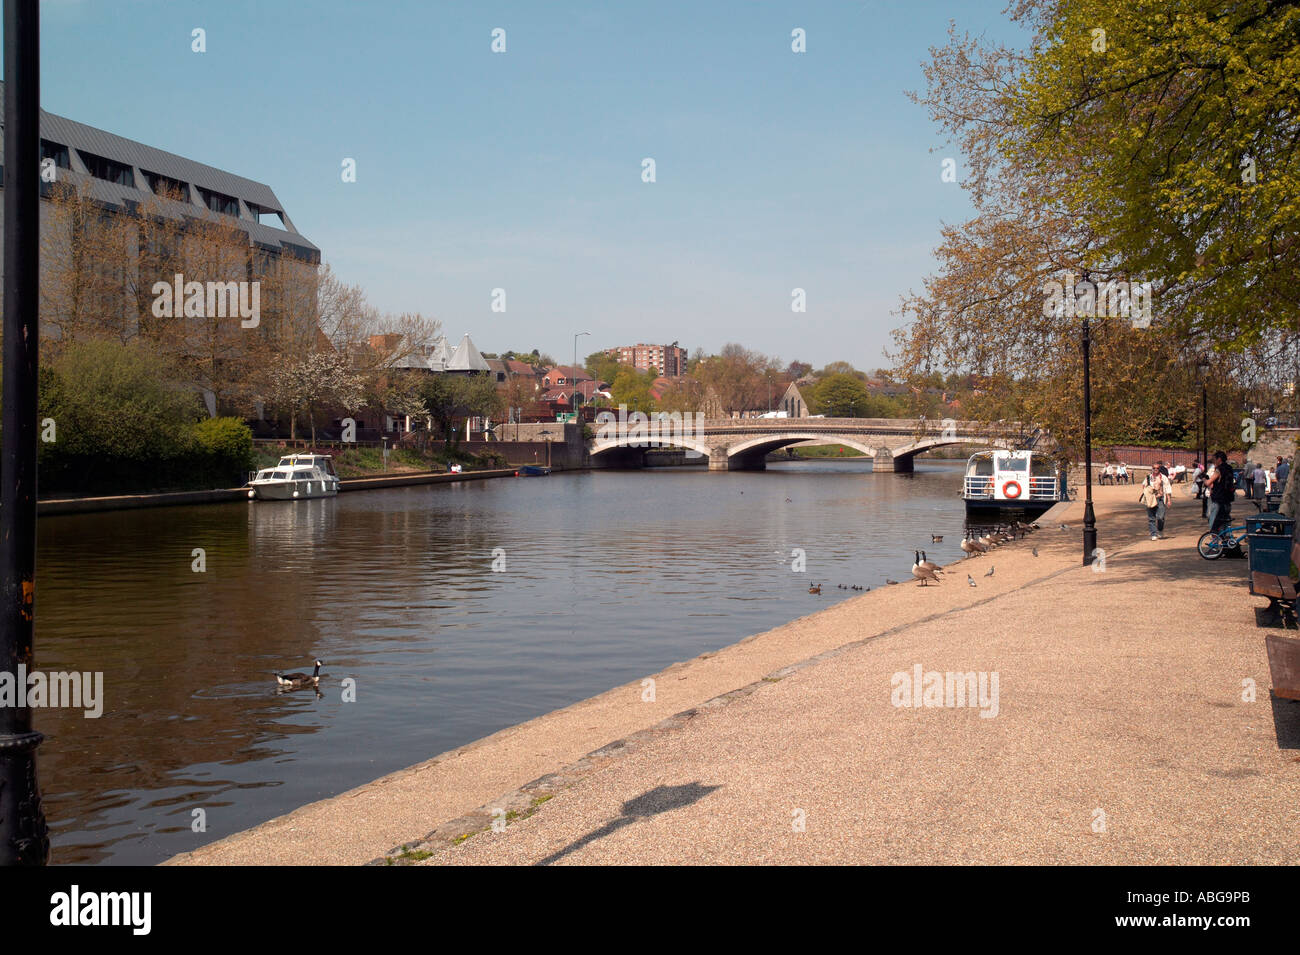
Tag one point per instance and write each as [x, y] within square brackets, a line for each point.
[296, 477]
[1012, 480]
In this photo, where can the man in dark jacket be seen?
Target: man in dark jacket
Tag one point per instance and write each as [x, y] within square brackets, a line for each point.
[1222, 486]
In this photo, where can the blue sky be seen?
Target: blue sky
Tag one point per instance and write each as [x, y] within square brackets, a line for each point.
[522, 170]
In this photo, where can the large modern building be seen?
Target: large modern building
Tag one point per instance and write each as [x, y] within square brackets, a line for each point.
[668, 361]
[127, 176]
[127, 182]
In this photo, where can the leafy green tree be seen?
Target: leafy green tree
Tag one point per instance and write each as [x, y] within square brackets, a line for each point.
[602, 366]
[840, 395]
[451, 398]
[631, 387]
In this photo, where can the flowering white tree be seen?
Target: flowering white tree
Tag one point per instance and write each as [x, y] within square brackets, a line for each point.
[320, 378]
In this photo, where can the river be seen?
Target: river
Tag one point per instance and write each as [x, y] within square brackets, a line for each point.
[608, 576]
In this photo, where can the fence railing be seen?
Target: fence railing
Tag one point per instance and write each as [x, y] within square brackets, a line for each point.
[1040, 488]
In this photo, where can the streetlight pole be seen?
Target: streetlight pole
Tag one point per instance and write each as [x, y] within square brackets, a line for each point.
[575, 371]
[1202, 372]
[1089, 517]
[24, 838]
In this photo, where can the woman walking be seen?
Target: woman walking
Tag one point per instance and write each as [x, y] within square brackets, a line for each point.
[1156, 495]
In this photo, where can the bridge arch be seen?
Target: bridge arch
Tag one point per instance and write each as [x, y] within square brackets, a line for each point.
[654, 443]
[773, 442]
[926, 444]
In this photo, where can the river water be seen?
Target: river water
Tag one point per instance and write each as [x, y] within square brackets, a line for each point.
[608, 577]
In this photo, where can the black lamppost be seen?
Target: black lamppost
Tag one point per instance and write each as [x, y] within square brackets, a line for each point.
[1089, 517]
[576, 394]
[24, 838]
[1202, 373]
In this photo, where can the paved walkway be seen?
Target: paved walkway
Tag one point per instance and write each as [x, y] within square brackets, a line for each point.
[1119, 708]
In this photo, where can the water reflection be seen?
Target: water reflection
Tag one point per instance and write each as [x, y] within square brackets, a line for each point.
[609, 576]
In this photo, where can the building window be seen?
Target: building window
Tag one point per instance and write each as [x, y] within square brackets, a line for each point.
[56, 152]
[110, 170]
[167, 187]
[220, 202]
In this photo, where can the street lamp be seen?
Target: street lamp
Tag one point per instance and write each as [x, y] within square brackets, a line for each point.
[24, 837]
[1202, 373]
[1089, 517]
[575, 371]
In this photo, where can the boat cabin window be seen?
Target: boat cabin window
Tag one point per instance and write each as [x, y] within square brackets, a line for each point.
[1041, 466]
[983, 467]
[1013, 464]
[279, 475]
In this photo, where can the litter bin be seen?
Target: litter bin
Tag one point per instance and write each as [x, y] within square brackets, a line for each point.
[1269, 538]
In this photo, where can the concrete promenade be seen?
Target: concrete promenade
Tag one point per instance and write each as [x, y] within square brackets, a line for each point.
[1121, 735]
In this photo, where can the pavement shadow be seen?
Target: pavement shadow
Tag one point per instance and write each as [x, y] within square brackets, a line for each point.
[1286, 721]
[649, 803]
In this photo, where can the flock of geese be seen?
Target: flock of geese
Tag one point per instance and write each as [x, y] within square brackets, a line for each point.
[927, 571]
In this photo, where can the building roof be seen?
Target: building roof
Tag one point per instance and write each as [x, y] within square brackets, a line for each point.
[254, 197]
[439, 356]
[516, 367]
[467, 357]
[568, 373]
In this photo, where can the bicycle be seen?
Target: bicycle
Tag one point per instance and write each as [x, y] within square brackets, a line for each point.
[1213, 543]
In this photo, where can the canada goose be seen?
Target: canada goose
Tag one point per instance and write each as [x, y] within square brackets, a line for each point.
[990, 573]
[815, 589]
[888, 581]
[977, 547]
[967, 547]
[924, 574]
[299, 679]
[970, 580]
[926, 562]
[936, 538]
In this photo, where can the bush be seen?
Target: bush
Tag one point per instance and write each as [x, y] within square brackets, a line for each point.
[123, 422]
[223, 450]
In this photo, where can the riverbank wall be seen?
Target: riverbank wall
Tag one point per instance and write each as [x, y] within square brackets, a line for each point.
[1124, 733]
[126, 502]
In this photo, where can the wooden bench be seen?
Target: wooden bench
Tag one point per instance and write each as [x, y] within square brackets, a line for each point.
[1280, 591]
[1284, 665]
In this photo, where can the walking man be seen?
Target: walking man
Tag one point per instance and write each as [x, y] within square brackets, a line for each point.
[1279, 475]
[1221, 485]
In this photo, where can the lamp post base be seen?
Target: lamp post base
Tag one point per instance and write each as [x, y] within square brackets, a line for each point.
[24, 837]
[1089, 533]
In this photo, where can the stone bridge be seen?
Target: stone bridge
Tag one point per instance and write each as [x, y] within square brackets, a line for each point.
[733, 444]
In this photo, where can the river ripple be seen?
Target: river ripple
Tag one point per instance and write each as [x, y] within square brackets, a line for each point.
[609, 576]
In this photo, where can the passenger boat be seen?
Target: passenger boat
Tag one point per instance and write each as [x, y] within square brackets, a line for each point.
[532, 470]
[296, 477]
[1026, 481]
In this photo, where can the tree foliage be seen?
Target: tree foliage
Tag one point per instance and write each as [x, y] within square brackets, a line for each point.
[1139, 142]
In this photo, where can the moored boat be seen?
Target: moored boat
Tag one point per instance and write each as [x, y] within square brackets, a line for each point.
[297, 477]
[533, 470]
[1023, 481]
